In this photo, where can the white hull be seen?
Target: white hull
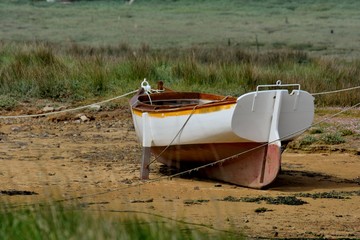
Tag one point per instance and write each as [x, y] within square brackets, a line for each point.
[250, 119]
[213, 127]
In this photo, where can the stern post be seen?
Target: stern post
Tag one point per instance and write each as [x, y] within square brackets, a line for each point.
[272, 158]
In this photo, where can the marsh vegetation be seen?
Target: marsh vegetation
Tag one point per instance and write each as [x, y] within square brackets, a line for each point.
[76, 73]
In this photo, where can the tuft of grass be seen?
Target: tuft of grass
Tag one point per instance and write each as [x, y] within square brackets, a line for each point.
[316, 130]
[7, 102]
[307, 140]
[346, 132]
[332, 138]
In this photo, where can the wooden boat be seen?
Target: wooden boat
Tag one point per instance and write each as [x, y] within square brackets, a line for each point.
[241, 136]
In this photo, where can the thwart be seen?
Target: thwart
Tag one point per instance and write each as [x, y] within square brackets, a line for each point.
[238, 140]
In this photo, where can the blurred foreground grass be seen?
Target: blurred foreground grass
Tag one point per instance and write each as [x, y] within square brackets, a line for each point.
[57, 221]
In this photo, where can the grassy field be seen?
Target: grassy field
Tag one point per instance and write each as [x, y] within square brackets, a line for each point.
[85, 49]
[76, 73]
[324, 28]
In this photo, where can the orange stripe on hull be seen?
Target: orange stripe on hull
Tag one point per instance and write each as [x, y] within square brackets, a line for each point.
[181, 112]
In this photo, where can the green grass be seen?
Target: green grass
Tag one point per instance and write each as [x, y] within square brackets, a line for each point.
[332, 138]
[308, 140]
[343, 132]
[92, 49]
[61, 222]
[76, 73]
[322, 28]
[7, 102]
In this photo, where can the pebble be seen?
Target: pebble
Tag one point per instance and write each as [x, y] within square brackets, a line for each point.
[95, 107]
[84, 118]
[15, 129]
[47, 109]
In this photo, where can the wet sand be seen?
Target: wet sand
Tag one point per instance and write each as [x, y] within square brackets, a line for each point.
[96, 162]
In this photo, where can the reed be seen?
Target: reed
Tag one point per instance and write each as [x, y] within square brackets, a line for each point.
[77, 72]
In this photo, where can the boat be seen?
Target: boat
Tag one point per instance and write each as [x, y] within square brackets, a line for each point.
[238, 140]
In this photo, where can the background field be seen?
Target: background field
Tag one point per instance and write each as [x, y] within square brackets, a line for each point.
[76, 50]
[324, 28]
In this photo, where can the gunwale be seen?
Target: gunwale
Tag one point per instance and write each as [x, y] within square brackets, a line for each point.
[140, 102]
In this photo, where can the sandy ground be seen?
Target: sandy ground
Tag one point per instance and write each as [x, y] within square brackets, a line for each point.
[61, 157]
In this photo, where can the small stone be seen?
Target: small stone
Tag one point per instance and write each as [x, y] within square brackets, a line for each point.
[16, 129]
[47, 109]
[196, 188]
[60, 108]
[84, 118]
[95, 107]
[217, 185]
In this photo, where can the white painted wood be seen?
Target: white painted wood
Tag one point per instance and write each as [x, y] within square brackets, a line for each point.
[297, 114]
[274, 137]
[249, 120]
[252, 116]
[253, 113]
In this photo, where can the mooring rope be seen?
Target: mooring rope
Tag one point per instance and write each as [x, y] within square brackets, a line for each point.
[67, 110]
[176, 174]
[183, 172]
[335, 91]
[126, 94]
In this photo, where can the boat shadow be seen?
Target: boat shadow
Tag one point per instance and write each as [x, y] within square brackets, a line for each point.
[300, 180]
[287, 180]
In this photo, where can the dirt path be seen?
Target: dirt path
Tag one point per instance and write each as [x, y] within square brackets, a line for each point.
[63, 157]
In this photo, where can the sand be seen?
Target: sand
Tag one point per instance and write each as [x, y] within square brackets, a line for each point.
[95, 163]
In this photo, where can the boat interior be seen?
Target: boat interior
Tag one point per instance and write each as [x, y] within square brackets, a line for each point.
[182, 99]
[178, 102]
